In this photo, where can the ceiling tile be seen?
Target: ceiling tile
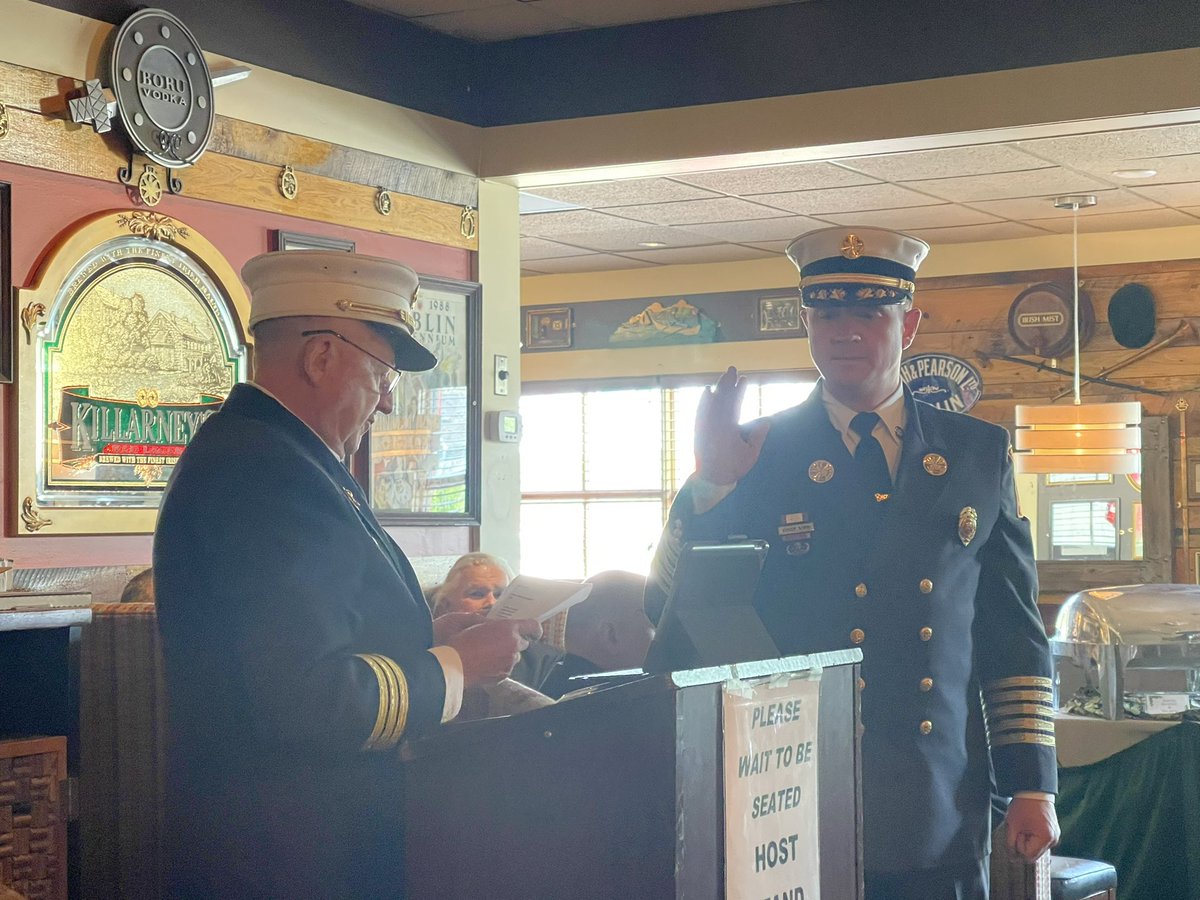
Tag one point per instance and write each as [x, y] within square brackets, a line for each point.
[944, 215]
[1122, 221]
[600, 194]
[497, 23]
[950, 162]
[1001, 231]
[532, 203]
[774, 179]
[750, 231]
[599, 262]
[714, 253]
[1168, 169]
[1039, 182]
[632, 237]
[775, 248]
[1026, 208]
[537, 248]
[1116, 146]
[687, 212]
[1176, 195]
[573, 221]
[847, 199]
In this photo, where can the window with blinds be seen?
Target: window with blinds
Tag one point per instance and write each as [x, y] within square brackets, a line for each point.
[599, 469]
[1084, 529]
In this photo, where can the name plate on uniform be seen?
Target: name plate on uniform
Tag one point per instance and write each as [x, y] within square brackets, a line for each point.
[770, 764]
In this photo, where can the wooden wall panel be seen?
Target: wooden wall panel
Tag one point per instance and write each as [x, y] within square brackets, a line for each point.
[967, 317]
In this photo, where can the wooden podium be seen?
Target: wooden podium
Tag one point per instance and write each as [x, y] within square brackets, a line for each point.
[619, 793]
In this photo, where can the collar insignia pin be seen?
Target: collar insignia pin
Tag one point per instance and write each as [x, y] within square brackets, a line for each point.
[350, 496]
[934, 463]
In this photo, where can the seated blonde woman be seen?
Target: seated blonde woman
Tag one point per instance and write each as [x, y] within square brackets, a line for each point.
[472, 585]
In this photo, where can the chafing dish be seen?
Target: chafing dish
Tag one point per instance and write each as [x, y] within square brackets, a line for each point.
[1136, 646]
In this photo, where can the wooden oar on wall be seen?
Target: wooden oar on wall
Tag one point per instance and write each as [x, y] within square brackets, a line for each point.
[1185, 327]
[985, 358]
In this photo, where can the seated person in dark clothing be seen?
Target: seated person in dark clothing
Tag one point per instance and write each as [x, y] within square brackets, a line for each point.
[607, 632]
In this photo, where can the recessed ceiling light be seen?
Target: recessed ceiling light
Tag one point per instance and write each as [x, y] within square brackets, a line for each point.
[1135, 173]
[651, 245]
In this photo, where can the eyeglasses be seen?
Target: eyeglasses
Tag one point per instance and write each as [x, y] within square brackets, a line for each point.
[387, 382]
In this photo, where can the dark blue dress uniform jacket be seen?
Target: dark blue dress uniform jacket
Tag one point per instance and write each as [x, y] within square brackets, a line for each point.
[295, 640]
[938, 618]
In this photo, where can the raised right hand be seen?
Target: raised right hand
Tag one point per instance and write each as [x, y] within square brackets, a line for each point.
[724, 452]
[490, 649]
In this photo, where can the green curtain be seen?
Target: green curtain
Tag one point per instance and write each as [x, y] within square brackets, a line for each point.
[1139, 810]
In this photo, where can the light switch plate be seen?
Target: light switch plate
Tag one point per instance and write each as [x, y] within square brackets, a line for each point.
[501, 387]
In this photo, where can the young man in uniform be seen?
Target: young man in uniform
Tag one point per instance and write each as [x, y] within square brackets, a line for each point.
[893, 527]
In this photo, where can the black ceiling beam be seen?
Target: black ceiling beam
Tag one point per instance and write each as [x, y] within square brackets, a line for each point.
[796, 48]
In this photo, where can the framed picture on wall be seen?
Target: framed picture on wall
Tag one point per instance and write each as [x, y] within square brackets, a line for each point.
[420, 462]
[294, 240]
[1194, 479]
[548, 329]
[6, 294]
[779, 314]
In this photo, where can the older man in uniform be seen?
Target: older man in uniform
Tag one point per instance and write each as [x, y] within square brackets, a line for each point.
[893, 527]
[299, 650]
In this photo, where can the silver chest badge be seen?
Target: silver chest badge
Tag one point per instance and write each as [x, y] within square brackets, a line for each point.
[820, 471]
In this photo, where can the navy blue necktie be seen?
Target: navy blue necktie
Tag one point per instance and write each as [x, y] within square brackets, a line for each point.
[868, 455]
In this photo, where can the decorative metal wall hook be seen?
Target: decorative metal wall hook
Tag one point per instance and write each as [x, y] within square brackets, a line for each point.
[149, 185]
[289, 184]
[468, 222]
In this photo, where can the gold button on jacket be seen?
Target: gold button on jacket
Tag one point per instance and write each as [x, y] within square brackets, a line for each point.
[860, 590]
[926, 685]
[926, 727]
[926, 633]
[857, 636]
[926, 586]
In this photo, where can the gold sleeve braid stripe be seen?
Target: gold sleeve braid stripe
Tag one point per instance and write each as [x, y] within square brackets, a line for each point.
[1018, 681]
[1039, 697]
[1007, 710]
[1022, 737]
[393, 702]
[1046, 726]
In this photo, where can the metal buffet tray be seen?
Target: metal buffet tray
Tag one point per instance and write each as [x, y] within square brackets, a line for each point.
[1119, 636]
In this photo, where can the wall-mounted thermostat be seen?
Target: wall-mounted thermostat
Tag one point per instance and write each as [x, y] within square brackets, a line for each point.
[503, 426]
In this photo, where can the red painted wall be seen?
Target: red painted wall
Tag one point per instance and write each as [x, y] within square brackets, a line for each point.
[47, 204]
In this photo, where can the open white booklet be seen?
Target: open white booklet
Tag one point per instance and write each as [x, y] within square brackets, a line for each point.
[527, 597]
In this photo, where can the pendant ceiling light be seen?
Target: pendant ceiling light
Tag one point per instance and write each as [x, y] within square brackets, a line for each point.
[1084, 437]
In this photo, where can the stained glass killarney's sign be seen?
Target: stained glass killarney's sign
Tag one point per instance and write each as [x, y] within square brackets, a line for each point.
[131, 349]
